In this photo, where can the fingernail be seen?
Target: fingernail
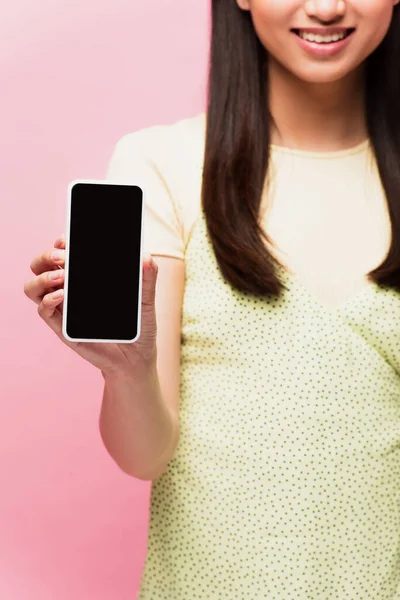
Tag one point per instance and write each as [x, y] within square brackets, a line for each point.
[56, 274]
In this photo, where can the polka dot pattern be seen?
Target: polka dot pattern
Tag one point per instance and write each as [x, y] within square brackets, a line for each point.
[286, 481]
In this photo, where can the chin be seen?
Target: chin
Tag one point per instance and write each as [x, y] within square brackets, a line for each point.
[322, 74]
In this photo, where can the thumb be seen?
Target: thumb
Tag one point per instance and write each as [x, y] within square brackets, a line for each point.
[150, 270]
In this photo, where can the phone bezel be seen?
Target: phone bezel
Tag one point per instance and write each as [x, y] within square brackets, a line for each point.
[66, 266]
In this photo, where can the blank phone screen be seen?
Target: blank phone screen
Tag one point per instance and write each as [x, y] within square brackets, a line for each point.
[104, 261]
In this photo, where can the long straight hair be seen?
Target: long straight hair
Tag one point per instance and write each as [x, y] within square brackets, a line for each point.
[237, 148]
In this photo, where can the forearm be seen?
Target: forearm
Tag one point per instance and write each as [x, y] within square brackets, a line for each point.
[136, 425]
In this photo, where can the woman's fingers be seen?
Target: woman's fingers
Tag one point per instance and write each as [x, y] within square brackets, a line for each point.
[41, 285]
[47, 310]
[60, 242]
[46, 261]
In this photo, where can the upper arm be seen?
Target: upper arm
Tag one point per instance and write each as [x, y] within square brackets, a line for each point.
[168, 301]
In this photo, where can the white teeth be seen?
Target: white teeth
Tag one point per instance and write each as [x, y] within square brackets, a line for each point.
[322, 39]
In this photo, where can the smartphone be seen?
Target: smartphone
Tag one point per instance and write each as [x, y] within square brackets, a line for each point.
[103, 262]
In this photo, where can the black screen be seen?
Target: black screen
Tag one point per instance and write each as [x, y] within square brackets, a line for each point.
[104, 268]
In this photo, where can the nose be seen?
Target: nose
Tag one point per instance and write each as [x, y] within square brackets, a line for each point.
[325, 10]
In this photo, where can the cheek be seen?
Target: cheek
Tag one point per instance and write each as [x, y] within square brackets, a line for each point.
[273, 15]
[376, 14]
[372, 8]
[271, 21]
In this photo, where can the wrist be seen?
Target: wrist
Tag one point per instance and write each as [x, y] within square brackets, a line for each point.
[142, 368]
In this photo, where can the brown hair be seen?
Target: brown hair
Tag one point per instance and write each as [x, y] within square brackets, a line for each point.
[237, 147]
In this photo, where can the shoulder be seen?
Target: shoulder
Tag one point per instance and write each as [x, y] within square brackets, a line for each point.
[166, 142]
[167, 159]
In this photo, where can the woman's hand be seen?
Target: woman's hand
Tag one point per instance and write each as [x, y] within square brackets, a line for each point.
[111, 359]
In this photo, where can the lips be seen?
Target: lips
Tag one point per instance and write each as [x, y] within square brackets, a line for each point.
[323, 43]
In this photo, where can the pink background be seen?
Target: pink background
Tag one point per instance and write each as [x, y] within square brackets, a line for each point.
[75, 77]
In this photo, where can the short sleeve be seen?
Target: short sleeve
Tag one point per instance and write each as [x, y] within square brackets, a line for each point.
[133, 161]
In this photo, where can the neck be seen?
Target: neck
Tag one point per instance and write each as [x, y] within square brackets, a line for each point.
[320, 117]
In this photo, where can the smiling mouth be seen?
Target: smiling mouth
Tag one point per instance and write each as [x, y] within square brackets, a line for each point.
[324, 36]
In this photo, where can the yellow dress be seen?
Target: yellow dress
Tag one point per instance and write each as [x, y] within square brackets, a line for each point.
[286, 480]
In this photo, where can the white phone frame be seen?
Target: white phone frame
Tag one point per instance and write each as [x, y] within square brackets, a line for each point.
[66, 266]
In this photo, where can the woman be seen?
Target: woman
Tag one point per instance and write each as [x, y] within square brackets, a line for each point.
[266, 408]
